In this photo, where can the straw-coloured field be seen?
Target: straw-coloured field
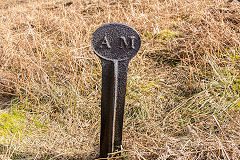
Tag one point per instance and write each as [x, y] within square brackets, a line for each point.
[183, 91]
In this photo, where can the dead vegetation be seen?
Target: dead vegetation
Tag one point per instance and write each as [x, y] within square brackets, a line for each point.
[183, 95]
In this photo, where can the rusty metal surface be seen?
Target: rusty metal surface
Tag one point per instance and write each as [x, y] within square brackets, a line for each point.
[115, 44]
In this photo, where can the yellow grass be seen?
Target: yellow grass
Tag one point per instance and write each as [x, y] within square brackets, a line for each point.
[182, 100]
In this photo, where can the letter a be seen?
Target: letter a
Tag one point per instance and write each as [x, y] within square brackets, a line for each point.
[105, 42]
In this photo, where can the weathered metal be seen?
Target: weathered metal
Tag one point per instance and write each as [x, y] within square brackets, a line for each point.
[116, 44]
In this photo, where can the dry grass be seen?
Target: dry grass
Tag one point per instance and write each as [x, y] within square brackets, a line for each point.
[183, 97]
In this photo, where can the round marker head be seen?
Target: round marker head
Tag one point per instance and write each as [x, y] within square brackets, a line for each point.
[116, 41]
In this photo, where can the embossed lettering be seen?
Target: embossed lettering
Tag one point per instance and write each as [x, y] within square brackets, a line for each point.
[124, 43]
[105, 42]
[132, 41]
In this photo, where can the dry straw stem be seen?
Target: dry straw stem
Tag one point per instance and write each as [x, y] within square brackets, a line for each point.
[183, 87]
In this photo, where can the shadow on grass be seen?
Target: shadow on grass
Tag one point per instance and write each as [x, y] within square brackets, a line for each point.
[5, 101]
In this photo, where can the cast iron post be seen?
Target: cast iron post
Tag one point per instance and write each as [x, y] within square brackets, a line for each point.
[116, 44]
